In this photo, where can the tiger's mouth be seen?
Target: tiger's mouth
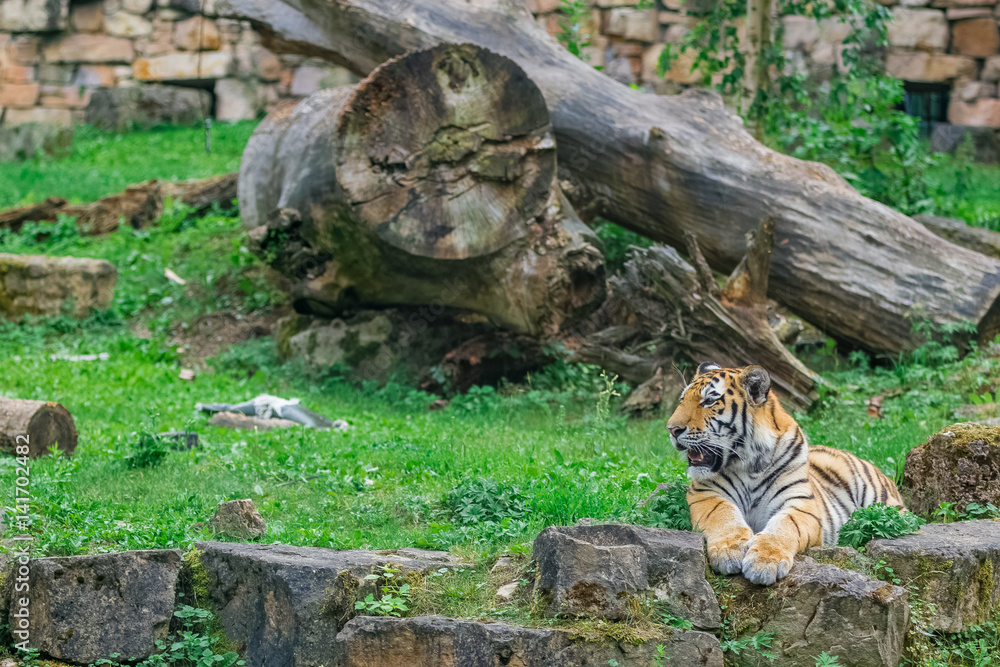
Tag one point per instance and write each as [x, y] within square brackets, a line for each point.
[700, 458]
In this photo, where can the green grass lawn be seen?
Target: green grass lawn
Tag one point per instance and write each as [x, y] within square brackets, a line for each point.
[103, 163]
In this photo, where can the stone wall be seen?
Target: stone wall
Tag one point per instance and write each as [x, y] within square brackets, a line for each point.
[56, 54]
[951, 42]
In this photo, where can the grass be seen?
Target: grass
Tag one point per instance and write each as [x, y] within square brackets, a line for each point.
[480, 478]
[103, 163]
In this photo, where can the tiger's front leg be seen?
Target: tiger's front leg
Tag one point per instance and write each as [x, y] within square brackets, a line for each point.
[726, 532]
[771, 552]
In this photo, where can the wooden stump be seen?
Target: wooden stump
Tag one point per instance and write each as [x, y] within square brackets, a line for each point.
[37, 424]
[433, 181]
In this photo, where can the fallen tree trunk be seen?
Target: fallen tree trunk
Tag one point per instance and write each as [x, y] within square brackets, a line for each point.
[661, 309]
[432, 182]
[663, 166]
[139, 206]
[36, 425]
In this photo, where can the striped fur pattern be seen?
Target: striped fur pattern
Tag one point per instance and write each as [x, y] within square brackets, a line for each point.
[759, 492]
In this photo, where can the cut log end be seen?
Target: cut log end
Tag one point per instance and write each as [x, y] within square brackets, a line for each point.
[37, 424]
[445, 153]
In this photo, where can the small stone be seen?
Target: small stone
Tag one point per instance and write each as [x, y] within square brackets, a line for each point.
[929, 67]
[87, 17]
[87, 48]
[268, 65]
[188, 33]
[959, 13]
[145, 106]
[18, 94]
[34, 15]
[506, 592]
[126, 24]
[236, 99]
[641, 25]
[310, 78]
[59, 117]
[183, 66]
[801, 32]
[991, 69]
[922, 29]
[240, 421]
[239, 519]
[95, 76]
[954, 565]
[137, 6]
[186, 374]
[978, 38]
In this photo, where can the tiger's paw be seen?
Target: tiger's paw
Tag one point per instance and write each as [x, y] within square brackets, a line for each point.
[726, 554]
[767, 559]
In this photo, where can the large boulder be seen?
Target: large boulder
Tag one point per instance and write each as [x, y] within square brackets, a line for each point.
[283, 605]
[819, 608]
[953, 565]
[594, 572]
[85, 608]
[41, 285]
[960, 464]
[434, 641]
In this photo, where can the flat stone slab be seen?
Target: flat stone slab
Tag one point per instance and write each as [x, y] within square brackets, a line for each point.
[593, 571]
[42, 285]
[955, 566]
[84, 608]
[819, 608]
[435, 641]
[283, 605]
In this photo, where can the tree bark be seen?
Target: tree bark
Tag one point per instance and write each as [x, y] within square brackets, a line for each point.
[661, 309]
[755, 74]
[37, 424]
[431, 182]
[662, 166]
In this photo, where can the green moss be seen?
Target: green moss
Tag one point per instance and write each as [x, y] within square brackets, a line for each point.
[198, 578]
[984, 578]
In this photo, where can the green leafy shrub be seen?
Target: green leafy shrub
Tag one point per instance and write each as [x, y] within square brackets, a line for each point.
[877, 521]
[146, 450]
[395, 595]
[485, 500]
[670, 508]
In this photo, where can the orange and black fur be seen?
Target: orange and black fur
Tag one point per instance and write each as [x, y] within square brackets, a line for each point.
[759, 492]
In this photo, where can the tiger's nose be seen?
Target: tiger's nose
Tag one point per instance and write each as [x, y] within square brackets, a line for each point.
[676, 431]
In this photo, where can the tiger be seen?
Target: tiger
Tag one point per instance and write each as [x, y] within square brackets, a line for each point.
[758, 491]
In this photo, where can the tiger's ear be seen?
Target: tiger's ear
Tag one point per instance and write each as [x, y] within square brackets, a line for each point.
[757, 383]
[707, 366]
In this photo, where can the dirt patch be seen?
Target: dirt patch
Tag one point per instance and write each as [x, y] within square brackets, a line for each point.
[209, 335]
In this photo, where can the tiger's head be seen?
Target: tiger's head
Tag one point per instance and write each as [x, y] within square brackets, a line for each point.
[718, 421]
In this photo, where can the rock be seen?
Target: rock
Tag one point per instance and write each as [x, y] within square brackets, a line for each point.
[34, 15]
[137, 6]
[593, 571]
[978, 38]
[991, 69]
[981, 113]
[434, 641]
[970, 91]
[641, 25]
[239, 519]
[801, 32]
[954, 565]
[506, 592]
[59, 117]
[237, 99]
[929, 67]
[959, 13]
[146, 106]
[84, 608]
[126, 24]
[242, 422]
[85, 48]
[984, 241]
[18, 94]
[960, 464]
[184, 66]
[923, 29]
[25, 141]
[41, 285]
[95, 76]
[87, 17]
[819, 608]
[188, 33]
[283, 605]
[843, 557]
[310, 78]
